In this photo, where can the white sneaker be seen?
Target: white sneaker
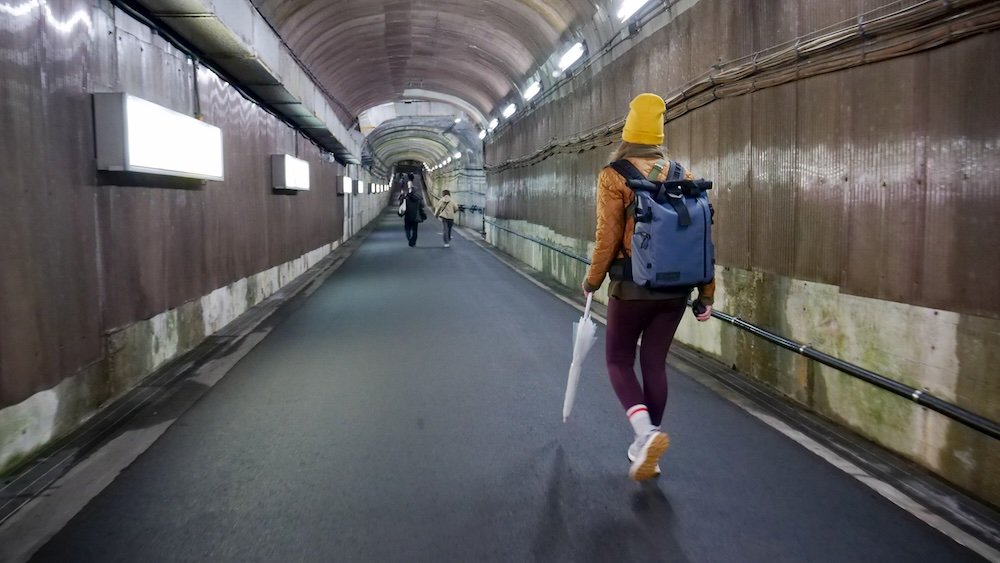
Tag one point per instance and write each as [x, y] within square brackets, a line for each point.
[645, 452]
[633, 452]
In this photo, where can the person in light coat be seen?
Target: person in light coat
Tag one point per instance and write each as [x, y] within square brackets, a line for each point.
[445, 210]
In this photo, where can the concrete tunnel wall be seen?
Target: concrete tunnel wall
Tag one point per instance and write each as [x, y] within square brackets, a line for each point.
[856, 212]
[107, 277]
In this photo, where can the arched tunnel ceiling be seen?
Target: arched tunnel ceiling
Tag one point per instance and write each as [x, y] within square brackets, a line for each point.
[368, 52]
[424, 139]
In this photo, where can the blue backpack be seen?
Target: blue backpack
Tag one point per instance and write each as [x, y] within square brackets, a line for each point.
[672, 245]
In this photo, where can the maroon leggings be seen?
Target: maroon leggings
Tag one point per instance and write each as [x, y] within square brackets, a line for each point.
[656, 322]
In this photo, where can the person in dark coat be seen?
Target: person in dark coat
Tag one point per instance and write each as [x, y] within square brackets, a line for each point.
[413, 215]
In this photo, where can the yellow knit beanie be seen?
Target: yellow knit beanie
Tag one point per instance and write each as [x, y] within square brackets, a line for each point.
[644, 124]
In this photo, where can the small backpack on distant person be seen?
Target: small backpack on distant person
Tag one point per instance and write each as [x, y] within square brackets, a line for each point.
[672, 245]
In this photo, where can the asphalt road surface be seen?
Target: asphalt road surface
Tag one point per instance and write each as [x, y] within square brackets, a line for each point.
[410, 410]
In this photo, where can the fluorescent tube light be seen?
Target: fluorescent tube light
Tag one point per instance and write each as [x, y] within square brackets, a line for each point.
[509, 110]
[630, 7]
[482, 134]
[289, 173]
[494, 123]
[458, 155]
[134, 135]
[533, 90]
[571, 56]
[348, 185]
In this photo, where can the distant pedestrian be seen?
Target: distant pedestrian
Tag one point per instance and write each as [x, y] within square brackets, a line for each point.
[413, 214]
[445, 211]
[636, 311]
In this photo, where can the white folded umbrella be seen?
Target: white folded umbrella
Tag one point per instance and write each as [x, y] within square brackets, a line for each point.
[584, 336]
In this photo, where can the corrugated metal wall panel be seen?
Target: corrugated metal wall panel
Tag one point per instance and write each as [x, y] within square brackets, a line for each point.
[705, 132]
[737, 39]
[774, 22]
[773, 154]
[961, 246]
[728, 24]
[677, 58]
[734, 186]
[886, 194]
[49, 299]
[677, 139]
[814, 15]
[823, 151]
[230, 240]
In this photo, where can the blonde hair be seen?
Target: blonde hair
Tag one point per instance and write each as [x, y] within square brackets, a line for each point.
[633, 150]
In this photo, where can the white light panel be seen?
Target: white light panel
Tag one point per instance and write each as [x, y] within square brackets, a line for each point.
[135, 135]
[348, 185]
[289, 173]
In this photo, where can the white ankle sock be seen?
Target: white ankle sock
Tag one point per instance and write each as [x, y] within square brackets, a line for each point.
[638, 417]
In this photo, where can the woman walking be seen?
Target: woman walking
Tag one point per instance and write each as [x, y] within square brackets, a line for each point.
[635, 311]
[446, 210]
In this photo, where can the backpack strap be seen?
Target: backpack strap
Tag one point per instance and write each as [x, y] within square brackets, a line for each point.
[627, 170]
[675, 196]
[672, 196]
[676, 172]
[654, 174]
[676, 200]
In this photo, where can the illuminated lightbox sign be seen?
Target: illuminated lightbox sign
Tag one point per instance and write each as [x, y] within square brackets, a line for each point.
[348, 185]
[289, 173]
[134, 135]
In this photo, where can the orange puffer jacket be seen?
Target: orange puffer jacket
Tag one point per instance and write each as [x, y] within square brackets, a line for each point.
[613, 238]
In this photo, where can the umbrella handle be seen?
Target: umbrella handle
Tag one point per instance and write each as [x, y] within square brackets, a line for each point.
[590, 299]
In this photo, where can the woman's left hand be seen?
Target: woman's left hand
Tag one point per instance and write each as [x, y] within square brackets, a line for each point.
[704, 316]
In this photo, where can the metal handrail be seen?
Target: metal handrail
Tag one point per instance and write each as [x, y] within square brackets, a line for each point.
[919, 396]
